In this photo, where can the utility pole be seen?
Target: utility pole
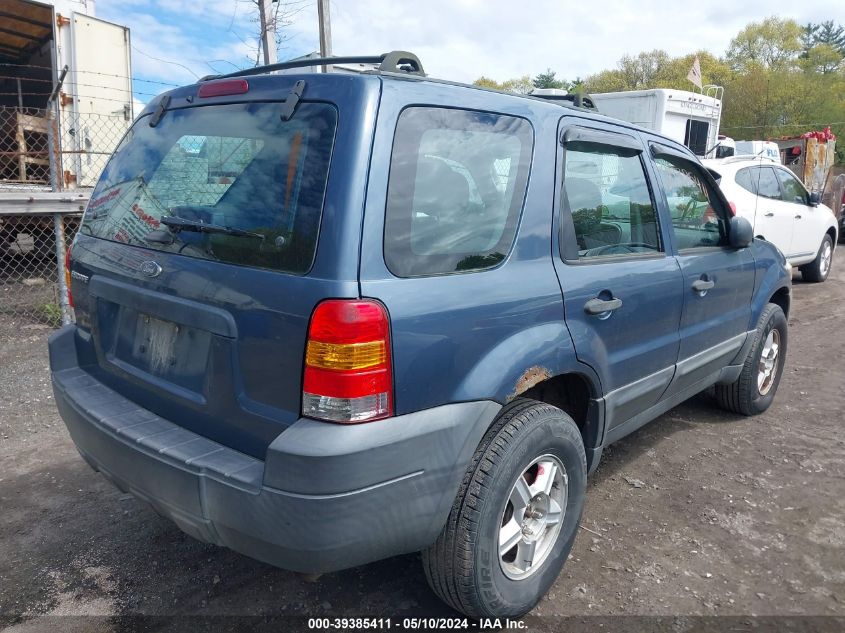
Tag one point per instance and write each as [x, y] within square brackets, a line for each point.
[325, 31]
[268, 30]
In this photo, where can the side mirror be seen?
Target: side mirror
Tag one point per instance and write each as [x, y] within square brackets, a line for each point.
[815, 199]
[741, 232]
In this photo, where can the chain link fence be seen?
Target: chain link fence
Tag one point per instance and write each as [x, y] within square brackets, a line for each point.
[30, 269]
[46, 162]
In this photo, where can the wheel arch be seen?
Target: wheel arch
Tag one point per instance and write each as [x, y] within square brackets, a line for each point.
[579, 397]
[539, 362]
[782, 298]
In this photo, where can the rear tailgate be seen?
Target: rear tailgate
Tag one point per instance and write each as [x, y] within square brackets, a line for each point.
[194, 273]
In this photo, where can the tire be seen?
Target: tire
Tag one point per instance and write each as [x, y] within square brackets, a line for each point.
[463, 567]
[818, 270]
[746, 396]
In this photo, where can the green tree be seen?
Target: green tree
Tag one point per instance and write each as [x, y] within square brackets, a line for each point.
[632, 72]
[773, 43]
[519, 85]
[657, 70]
[606, 81]
[808, 37]
[641, 71]
[576, 85]
[549, 80]
[674, 73]
[821, 58]
[486, 82]
[829, 32]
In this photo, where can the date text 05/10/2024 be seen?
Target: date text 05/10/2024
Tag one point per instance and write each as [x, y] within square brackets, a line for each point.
[414, 624]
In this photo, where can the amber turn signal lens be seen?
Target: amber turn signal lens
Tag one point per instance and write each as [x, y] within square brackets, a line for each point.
[342, 356]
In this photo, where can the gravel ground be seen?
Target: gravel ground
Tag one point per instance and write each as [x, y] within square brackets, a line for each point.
[700, 513]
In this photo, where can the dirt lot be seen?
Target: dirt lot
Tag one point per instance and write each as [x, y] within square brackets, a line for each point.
[700, 513]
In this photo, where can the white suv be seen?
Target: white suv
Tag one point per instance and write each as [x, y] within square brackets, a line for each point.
[781, 211]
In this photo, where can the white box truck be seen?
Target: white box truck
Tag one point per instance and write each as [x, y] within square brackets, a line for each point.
[690, 118]
[92, 107]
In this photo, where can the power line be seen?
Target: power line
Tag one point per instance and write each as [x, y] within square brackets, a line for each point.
[148, 81]
[84, 85]
[165, 61]
[45, 94]
[89, 72]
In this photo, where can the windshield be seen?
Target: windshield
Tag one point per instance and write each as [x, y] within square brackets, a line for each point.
[240, 169]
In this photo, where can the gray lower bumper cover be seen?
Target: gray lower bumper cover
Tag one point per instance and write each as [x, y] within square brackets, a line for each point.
[327, 497]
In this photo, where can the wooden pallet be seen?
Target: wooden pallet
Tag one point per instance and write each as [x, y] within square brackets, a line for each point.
[31, 163]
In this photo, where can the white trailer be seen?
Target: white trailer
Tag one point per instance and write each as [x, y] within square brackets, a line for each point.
[92, 108]
[55, 138]
[690, 118]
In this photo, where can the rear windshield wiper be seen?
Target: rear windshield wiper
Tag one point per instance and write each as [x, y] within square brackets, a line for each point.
[182, 224]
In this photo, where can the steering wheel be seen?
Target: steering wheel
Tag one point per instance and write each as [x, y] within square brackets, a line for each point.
[618, 249]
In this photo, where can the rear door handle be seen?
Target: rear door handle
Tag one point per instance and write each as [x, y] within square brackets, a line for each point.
[601, 306]
[798, 217]
[770, 214]
[703, 285]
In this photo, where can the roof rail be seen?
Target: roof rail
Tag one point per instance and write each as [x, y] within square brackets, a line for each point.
[392, 62]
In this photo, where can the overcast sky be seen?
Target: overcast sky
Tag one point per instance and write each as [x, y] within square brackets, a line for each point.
[176, 40]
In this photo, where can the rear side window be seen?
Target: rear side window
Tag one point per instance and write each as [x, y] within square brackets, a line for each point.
[745, 180]
[456, 188]
[767, 182]
[698, 217]
[254, 182]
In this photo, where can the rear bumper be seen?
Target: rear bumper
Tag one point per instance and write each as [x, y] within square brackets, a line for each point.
[326, 497]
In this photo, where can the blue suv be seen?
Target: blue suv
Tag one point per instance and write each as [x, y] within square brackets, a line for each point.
[324, 319]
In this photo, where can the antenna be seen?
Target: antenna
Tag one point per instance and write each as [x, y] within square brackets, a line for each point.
[757, 196]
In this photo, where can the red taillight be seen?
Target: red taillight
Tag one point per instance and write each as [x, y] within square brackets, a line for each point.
[222, 88]
[733, 208]
[68, 277]
[348, 375]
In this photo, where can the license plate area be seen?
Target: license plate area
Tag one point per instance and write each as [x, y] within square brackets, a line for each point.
[154, 344]
[168, 351]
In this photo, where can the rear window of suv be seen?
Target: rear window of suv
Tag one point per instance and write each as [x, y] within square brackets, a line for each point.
[456, 188]
[254, 180]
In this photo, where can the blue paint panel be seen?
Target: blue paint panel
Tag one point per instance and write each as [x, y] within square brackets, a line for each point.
[469, 336]
[242, 386]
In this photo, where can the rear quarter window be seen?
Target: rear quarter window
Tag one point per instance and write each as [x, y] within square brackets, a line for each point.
[745, 180]
[456, 189]
[766, 182]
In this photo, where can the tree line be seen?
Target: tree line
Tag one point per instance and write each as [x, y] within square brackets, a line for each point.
[780, 79]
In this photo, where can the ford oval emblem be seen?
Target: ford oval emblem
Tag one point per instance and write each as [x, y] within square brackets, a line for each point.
[150, 269]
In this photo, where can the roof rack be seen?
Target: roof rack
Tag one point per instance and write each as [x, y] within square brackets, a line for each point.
[392, 62]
